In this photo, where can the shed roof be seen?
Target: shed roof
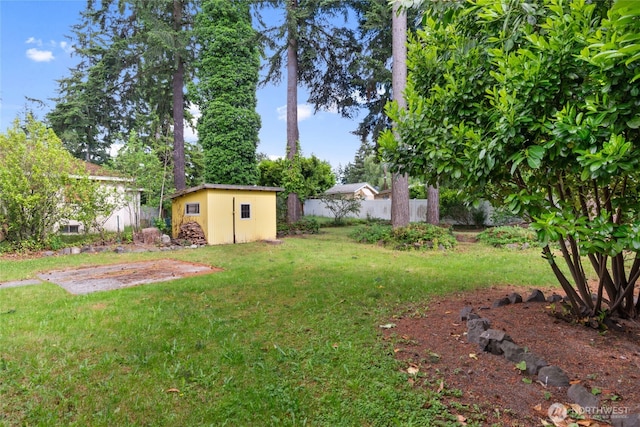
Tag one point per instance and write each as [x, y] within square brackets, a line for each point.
[225, 187]
[350, 188]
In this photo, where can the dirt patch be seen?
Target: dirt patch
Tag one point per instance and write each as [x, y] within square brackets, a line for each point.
[433, 341]
[116, 276]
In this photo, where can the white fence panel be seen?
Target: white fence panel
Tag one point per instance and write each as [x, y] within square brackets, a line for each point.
[378, 209]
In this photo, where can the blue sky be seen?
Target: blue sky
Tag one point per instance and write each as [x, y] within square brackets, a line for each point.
[34, 53]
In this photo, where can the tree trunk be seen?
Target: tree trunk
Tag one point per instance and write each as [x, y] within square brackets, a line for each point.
[433, 205]
[294, 208]
[178, 107]
[400, 183]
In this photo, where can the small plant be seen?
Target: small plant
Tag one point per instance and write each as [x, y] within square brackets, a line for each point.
[162, 225]
[54, 242]
[521, 366]
[341, 206]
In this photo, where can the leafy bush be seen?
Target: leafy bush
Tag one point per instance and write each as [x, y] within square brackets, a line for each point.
[423, 236]
[507, 235]
[453, 206]
[413, 236]
[502, 216]
[162, 225]
[371, 233]
[304, 226]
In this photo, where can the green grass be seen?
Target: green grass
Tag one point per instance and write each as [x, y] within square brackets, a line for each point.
[286, 335]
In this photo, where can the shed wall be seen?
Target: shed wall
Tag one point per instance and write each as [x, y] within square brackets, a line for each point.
[220, 215]
[179, 216]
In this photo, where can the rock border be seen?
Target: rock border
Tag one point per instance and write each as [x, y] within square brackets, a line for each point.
[497, 342]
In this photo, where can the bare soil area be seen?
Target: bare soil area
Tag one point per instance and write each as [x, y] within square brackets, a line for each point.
[108, 277]
[432, 342]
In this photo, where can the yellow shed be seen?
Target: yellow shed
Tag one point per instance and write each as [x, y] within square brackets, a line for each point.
[227, 213]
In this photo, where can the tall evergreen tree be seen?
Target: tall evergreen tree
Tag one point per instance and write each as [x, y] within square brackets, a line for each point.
[81, 116]
[317, 53]
[227, 78]
[400, 181]
[141, 60]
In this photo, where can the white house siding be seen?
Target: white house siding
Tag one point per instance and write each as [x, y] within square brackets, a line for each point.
[125, 215]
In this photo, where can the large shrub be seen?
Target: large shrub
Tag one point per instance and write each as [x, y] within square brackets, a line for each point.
[419, 236]
[508, 235]
[41, 184]
[533, 105]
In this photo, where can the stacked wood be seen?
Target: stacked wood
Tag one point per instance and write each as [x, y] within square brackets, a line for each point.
[192, 232]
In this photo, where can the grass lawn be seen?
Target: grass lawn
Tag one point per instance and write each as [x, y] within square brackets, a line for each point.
[286, 335]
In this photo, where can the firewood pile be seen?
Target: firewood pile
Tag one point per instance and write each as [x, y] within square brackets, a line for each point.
[192, 232]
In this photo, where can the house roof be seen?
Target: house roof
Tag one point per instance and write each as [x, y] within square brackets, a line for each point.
[350, 188]
[225, 187]
[98, 172]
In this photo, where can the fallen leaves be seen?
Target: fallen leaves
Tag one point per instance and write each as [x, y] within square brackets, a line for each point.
[413, 370]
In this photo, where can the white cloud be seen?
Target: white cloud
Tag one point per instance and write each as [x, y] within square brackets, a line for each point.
[65, 46]
[38, 55]
[304, 112]
[33, 40]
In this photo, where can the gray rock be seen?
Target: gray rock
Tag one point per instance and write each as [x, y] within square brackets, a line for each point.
[465, 312]
[553, 376]
[577, 393]
[554, 298]
[48, 253]
[536, 296]
[501, 302]
[472, 316]
[475, 328]
[75, 250]
[150, 235]
[512, 352]
[119, 250]
[165, 240]
[515, 298]
[625, 420]
[490, 340]
[533, 363]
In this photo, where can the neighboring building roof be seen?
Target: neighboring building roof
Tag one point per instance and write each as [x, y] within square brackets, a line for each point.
[100, 173]
[350, 188]
[225, 187]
